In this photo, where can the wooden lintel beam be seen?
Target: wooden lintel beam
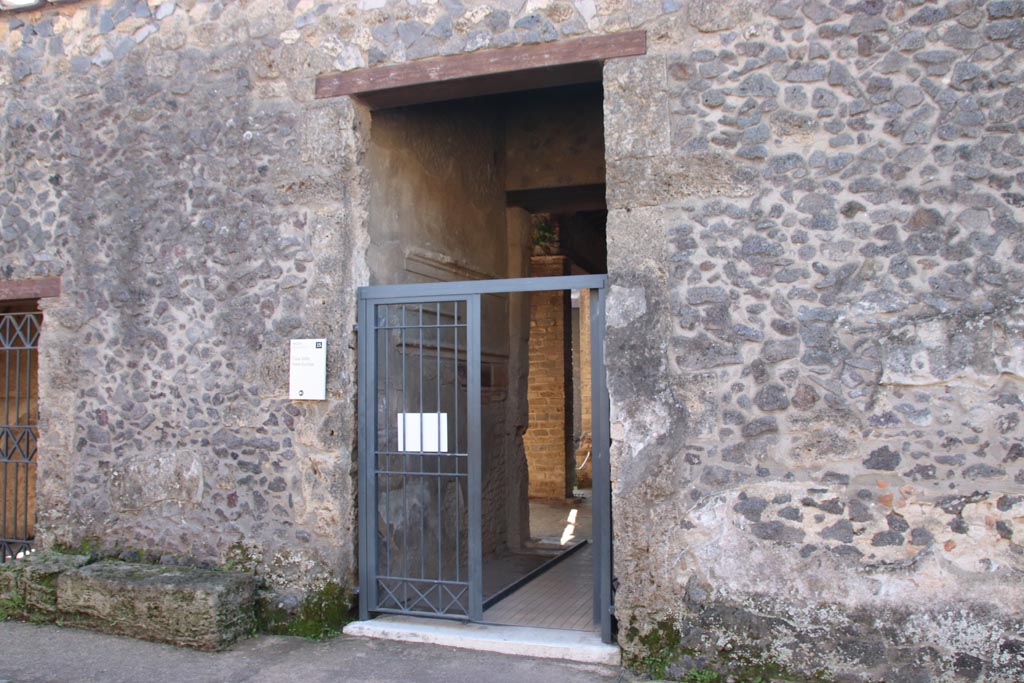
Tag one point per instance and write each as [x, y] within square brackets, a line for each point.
[482, 86]
[483, 63]
[35, 288]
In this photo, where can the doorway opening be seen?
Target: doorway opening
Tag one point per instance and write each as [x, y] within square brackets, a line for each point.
[504, 188]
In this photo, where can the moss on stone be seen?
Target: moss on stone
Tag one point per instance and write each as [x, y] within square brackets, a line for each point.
[753, 666]
[12, 606]
[242, 557]
[320, 615]
[87, 546]
[656, 649]
[659, 650]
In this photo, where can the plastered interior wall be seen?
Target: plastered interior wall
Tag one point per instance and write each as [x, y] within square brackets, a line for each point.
[554, 138]
[517, 479]
[439, 190]
[437, 212]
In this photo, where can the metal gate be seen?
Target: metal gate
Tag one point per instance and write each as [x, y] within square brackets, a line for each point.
[19, 417]
[420, 447]
[420, 465]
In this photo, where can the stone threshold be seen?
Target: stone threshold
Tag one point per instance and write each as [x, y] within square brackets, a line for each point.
[573, 646]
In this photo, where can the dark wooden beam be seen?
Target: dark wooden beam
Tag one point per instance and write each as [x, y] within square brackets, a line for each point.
[485, 72]
[567, 199]
[517, 81]
[36, 288]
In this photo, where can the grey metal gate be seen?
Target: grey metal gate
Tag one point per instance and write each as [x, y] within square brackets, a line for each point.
[420, 447]
[19, 417]
[420, 464]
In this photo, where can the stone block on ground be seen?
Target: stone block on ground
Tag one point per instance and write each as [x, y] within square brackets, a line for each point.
[198, 608]
[28, 586]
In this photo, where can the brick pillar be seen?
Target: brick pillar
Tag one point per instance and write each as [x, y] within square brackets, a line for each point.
[548, 439]
[583, 476]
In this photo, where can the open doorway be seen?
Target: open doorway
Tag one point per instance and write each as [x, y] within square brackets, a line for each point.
[547, 580]
[428, 449]
[490, 188]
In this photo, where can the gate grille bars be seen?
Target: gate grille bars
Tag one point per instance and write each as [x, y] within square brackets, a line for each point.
[420, 447]
[420, 472]
[19, 417]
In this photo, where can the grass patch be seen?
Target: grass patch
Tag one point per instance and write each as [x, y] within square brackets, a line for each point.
[661, 645]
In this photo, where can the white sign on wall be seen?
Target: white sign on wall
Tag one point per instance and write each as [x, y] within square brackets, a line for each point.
[427, 432]
[307, 376]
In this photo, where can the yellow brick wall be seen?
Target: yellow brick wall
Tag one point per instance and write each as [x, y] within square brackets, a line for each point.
[549, 435]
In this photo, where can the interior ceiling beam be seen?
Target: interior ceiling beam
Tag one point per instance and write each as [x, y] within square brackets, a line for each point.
[485, 72]
[567, 199]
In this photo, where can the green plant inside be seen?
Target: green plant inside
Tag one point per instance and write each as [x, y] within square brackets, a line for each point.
[544, 232]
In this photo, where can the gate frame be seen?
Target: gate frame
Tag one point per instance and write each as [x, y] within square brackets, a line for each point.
[470, 291]
[29, 332]
[367, 453]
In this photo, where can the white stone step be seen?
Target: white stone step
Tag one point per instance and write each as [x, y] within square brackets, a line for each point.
[574, 646]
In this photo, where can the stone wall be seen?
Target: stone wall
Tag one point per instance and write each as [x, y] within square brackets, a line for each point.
[814, 337]
[169, 164]
[814, 326]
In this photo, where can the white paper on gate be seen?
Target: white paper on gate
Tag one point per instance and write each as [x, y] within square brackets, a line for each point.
[427, 432]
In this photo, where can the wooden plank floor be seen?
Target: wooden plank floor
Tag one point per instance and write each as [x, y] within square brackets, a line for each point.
[561, 597]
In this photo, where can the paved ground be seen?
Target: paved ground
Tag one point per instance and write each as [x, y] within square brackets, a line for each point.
[50, 654]
[552, 522]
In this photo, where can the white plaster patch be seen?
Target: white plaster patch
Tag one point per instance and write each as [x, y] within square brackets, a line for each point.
[144, 32]
[586, 8]
[349, 58]
[625, 304]
[476, 14]
[638, 432]
[143, 482]
[722, 548]
[957, 629]
[19, 4]
[1009, 347]
[164, 10]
